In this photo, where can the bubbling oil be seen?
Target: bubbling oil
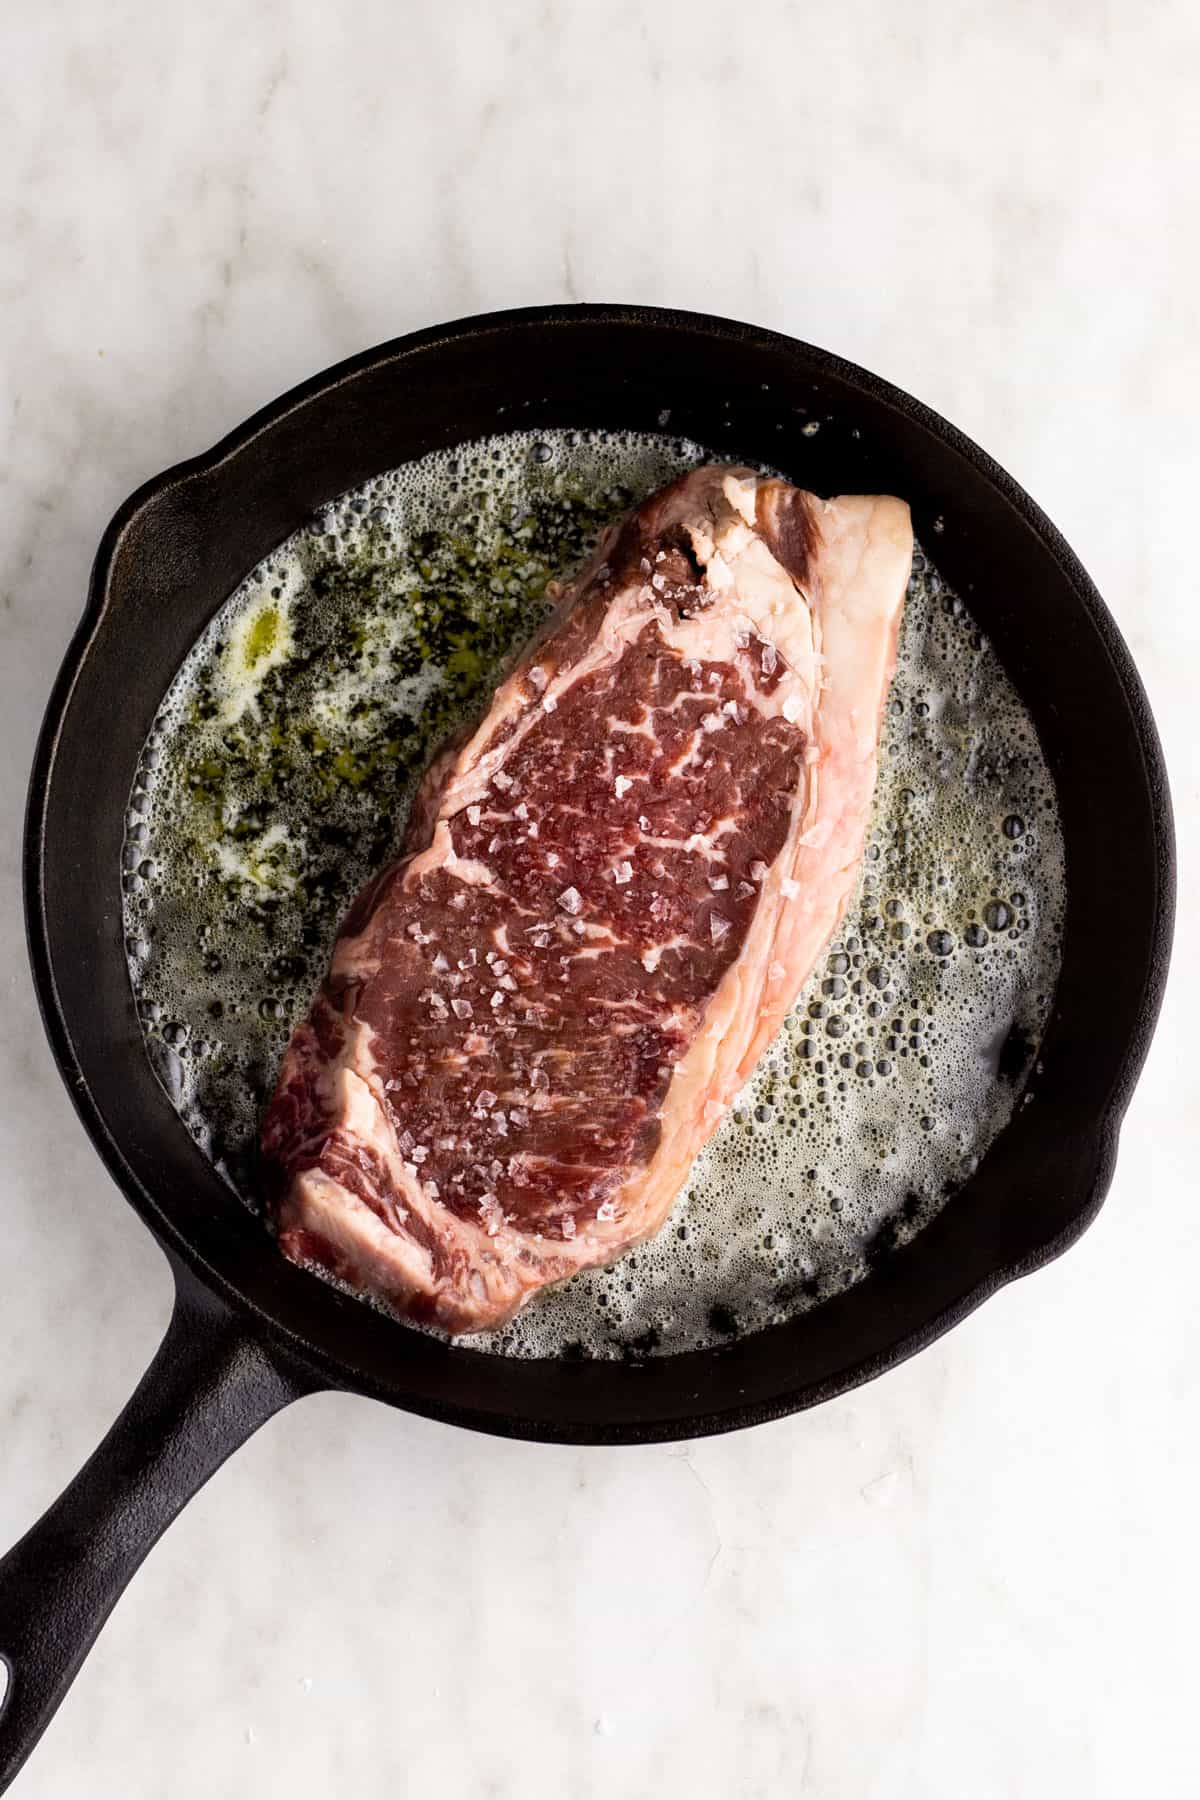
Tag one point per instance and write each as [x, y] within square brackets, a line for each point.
[278, 776]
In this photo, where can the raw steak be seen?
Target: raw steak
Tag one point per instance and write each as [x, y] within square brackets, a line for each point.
[613, 892]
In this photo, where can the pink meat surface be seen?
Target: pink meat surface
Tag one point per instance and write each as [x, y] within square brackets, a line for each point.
[614, 890]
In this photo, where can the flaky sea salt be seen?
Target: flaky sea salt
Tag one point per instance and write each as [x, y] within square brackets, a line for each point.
[491, 1214]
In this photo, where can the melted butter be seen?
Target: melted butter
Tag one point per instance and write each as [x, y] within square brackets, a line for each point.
[260, 642]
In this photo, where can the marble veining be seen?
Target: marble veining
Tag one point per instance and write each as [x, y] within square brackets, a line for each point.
[977, 1576]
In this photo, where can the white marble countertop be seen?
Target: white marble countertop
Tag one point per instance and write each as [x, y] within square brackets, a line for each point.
[978, 1576]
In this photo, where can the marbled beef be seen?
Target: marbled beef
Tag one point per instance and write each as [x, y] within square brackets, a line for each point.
[613, 892]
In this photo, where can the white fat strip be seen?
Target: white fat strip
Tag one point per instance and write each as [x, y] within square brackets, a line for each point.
[401, 1268]
[441, 855]
[351, 1093]
[700, 842]
[696, 746]
[866, 550]
[359, 956]
[866, 554]
[686, 700]
[653, 954]
[600, 934]
[644, 728]
[322, 1205]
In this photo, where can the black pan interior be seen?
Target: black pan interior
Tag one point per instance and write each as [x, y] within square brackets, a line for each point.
[179, 547]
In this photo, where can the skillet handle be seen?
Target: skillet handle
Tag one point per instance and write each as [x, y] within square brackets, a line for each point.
[208, 1389]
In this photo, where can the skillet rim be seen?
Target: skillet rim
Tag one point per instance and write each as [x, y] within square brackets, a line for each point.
[189, 1262]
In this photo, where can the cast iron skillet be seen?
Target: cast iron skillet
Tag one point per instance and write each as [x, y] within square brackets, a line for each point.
[250, 1332]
